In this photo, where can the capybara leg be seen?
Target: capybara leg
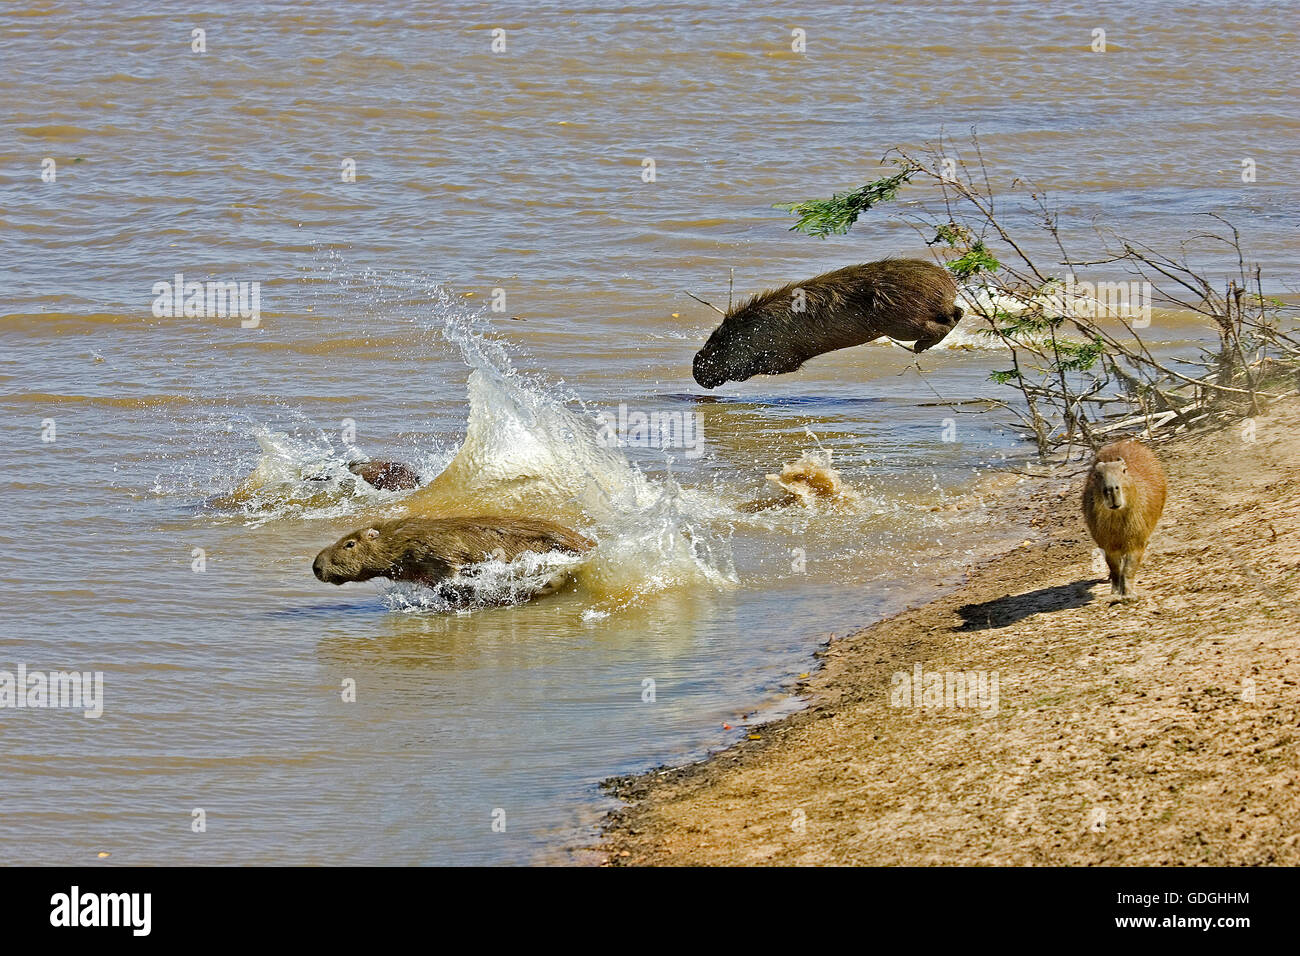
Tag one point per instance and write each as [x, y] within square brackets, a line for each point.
[1131, 571]
[1112, 565]
[1119, 577]
[1128, 574]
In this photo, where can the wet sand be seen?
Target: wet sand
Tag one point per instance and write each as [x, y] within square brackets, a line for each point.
[1158, 732]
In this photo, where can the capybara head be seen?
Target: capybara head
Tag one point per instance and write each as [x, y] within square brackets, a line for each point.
[358, 556]
[747, 343]
[1112, 476]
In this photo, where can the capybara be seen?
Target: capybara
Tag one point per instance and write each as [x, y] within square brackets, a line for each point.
[380, 474]
[386, 475]
[430, 550]
[777, 331]
[1122, 501]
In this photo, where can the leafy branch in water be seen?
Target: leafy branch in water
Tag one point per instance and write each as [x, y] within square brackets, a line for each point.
[835, 216]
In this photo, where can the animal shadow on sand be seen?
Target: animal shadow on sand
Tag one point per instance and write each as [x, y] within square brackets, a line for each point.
[1016, 607]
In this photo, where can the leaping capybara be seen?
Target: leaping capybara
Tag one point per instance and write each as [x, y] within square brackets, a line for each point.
[430, 550]
[1122, 501]
[777, 331]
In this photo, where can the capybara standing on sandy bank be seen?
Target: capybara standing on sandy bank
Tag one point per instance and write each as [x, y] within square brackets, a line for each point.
[776, 332]
[430, 550]
[1122, 501]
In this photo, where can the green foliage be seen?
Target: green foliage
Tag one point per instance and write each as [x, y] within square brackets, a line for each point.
[951, 234]
[977, 259]
[1079, 356]
[1025, 326]
[835, 216]
[1032, 328]
[1265, 300]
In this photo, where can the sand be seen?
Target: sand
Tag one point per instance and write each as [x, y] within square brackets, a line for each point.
[1162, 731]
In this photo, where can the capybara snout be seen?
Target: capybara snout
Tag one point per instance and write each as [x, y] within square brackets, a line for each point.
[1110, 475]
[775, 332]
[708, 371]
[726, 358]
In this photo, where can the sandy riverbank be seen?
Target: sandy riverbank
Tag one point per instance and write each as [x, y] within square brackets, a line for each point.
[1164, 731]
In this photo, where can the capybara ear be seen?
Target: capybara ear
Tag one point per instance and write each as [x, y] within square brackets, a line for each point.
[372, 533]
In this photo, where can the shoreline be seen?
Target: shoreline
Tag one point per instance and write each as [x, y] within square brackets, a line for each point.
[1159, 732]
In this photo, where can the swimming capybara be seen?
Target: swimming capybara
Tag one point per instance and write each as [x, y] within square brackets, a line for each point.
[380, 474]
[1122, 501]
[386, 475]
[429, 550]
[777, 331]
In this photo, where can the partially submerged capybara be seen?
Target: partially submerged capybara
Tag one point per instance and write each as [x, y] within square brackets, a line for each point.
[1122, 501]
[386, 475]
[777, 331]
[380, 474]
[429, 550]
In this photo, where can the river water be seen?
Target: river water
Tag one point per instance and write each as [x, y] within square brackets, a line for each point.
[164, 536]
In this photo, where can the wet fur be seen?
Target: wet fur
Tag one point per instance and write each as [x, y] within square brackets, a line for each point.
[381, 474]
[386, 475]
[430, 550]
[904, 299]
[1128, 474]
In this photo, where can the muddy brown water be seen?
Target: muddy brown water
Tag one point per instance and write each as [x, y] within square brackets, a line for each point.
[519, 171]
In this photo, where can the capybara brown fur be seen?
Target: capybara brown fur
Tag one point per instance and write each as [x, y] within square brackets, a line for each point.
[429, 550]
[386, 475]
[775, 332]
[380, 474]
[1122, 501]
